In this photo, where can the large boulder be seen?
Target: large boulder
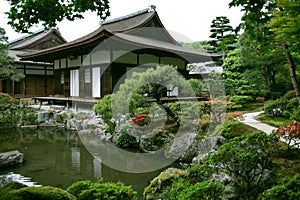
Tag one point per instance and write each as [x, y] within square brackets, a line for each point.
[187, 147]
[11, 158]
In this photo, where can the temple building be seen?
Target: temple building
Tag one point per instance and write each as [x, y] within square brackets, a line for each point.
[91, 66]
[38, 79]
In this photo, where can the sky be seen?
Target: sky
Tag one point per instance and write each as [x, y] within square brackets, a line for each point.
[187, 20]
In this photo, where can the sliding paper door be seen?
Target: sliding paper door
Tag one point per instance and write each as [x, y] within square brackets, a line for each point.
[74, 83]
[96, 82]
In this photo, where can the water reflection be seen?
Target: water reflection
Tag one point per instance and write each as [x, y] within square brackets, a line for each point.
[58, 158]
[76, 158]
[97, 167]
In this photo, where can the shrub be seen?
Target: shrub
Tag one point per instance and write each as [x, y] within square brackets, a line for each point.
[275, 107]
[124, 140]
[86, 190]
[15, 191]
[290, 94]
[247, 160]
[291, 133]
[231, 129]
[104, 108]
[160, 139]
[295, 115]
[142, 120]
[203, 190]
[196, 86]
[287, 190]
[163, 181]
[240, 100]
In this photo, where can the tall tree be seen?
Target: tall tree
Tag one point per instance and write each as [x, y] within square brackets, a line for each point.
[283, 17]
[24, 14]
[7, 70]
[223, 33]
[285, 23]
[257, 34]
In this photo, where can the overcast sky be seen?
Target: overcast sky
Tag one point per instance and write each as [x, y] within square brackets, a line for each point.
[189, 18]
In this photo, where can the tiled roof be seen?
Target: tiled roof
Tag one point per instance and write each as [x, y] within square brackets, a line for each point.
[123, 28]
[29, 40]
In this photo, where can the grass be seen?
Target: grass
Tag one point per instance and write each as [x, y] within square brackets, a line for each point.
[274, 120]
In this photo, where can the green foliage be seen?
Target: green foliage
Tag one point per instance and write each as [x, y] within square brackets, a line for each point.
[240, 100]
[247, 160]
[231, 129]
[203, 190]
[162, 181]
[29, 116]
[295, 115]
[159, 139]
[103, 107]
[275, 107]
[16, 191]
[154, 83]
[196, 86]
[288, 189]
[290, 95]
[224, 35]
[86, 190]
[10, 110]
[125, 140]
[24, 14]
[285, 23]
[7, 69]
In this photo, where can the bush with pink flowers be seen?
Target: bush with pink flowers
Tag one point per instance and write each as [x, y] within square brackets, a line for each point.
[290, 133]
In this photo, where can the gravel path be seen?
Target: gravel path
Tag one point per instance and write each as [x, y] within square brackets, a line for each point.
[251, 121]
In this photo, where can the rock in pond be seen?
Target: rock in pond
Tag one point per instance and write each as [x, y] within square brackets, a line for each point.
[11, 158]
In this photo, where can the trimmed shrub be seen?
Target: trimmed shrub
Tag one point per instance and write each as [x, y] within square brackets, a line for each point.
[290, 94]
[287, 190]
[15, 191]
[275, 107]
[240, 100]
[86, 190]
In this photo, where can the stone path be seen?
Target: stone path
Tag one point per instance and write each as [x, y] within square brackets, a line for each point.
[251, 121]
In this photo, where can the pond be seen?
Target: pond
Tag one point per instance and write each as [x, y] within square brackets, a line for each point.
[58, 158]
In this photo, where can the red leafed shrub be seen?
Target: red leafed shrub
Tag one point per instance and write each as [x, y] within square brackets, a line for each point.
[141, 120]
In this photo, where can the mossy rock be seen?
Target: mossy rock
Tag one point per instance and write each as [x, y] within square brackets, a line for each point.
[16, 191]
[163, 180]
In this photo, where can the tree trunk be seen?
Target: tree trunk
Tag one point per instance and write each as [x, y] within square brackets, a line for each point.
[292, 70]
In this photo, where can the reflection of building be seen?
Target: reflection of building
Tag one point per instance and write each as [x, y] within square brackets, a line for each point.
[38, 79]
[97, 167]
[75, 158]
[92, 65]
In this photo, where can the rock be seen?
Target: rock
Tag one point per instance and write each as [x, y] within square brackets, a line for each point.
[180, 147]
[73, 124]
[11, 158]
[187, 147]
[199, 159]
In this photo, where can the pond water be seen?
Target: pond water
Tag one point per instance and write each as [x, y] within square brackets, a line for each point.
[58, 158]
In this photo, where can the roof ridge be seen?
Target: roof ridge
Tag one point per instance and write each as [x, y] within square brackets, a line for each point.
[140, 12]
[27, 35]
